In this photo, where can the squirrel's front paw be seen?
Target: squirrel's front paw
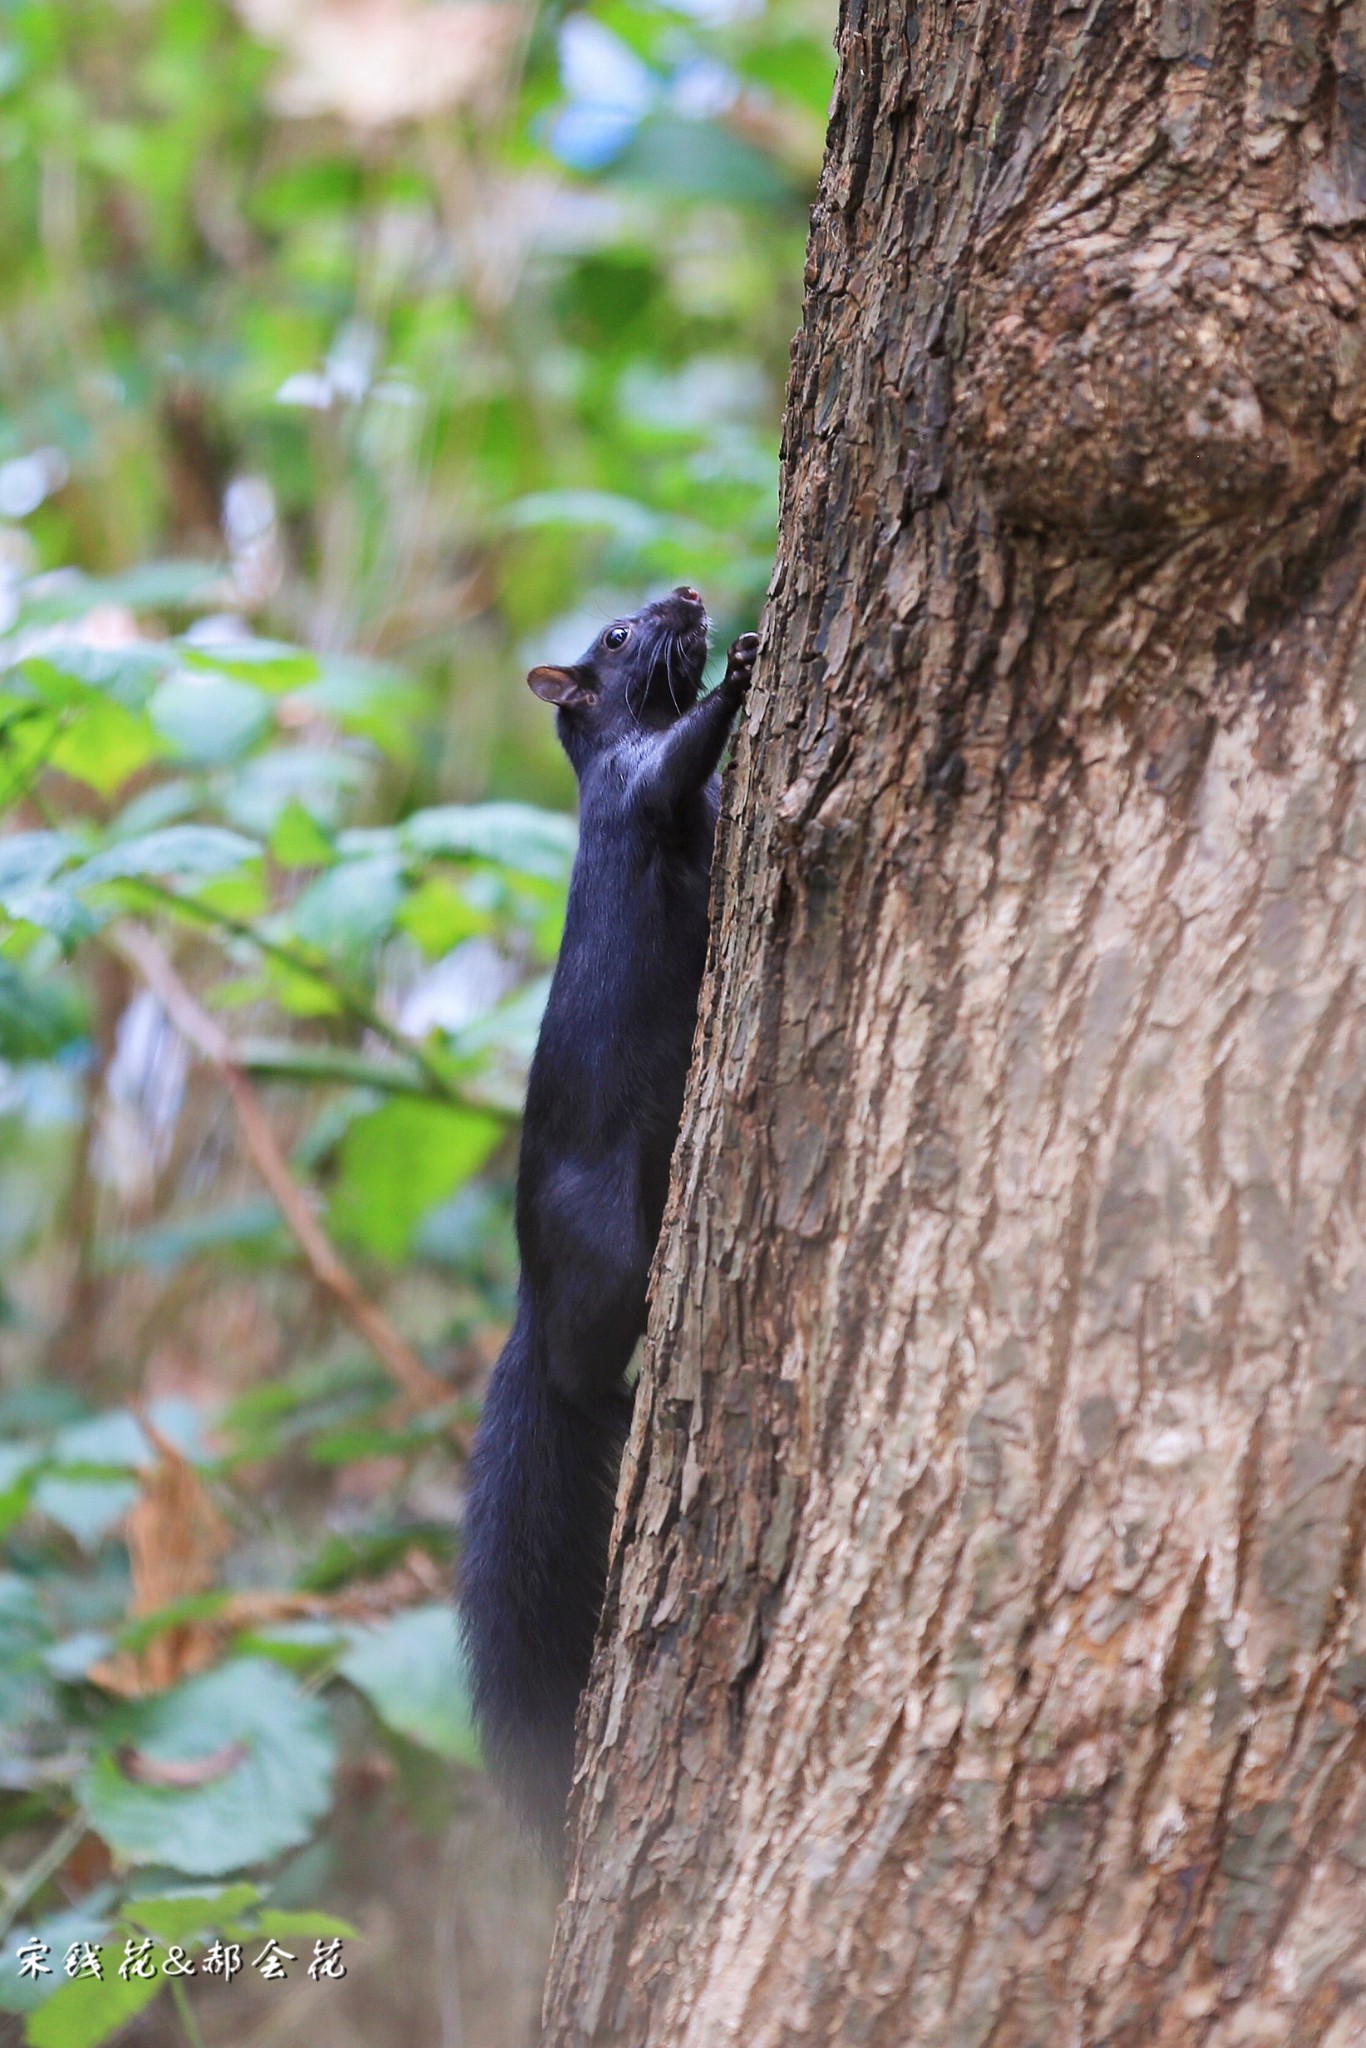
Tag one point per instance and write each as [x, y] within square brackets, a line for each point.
[740, 661]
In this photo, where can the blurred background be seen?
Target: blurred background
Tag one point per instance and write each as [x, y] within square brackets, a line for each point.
[354, 356]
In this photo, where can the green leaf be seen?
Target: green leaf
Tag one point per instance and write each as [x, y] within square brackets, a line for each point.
[368, 1552]
[263, 787]
[302, 993]
[154, 586]
[285, 1059]
[400, 1161]
[265, 664]
[802, 68]
[345, 1446]
[439, 916]
[701, 160]
[165, 803]
[164, 1247]
[16, 1467]
[86, 1921]
[70, 1659]
[86, 1508]
[104, 745]
[309, 1926]
[209, 719]
[350, 908]
[375, 702]
[29, 859]
[22, 1627]
[625, 518]
[298, 841]
[127, 675]
[184, 1914]
[174, 850]
[511, 1026]
[117, 1439]
[88, 2010]
[267, 1801]
[298, 1645]
[513, 835]
[410, 1670]
[37, 1019]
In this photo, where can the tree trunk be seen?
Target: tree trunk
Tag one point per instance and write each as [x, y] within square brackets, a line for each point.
[985, 1657]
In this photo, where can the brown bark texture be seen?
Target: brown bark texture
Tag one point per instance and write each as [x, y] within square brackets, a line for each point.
[984, 1662]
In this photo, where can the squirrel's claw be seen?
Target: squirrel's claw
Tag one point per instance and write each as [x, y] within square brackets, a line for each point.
[741, 658]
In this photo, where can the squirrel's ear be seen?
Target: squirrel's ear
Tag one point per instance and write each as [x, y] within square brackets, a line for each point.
[562, 686]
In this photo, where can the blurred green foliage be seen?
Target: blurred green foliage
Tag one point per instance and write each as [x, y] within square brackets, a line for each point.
[339, 382]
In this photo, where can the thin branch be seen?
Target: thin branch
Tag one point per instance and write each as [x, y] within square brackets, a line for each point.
[418, 1383]
[284, 1059]
[46, 1864]
[186, 2014]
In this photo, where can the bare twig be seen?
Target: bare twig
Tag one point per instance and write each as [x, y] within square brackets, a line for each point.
[19, 1890]
[418, 1383]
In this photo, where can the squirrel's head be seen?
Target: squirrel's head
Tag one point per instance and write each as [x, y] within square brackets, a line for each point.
[641, 672]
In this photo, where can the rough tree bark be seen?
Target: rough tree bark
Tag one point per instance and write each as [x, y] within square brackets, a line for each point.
[985, 1658]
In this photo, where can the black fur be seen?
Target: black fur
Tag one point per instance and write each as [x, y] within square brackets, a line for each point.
[602, 1112]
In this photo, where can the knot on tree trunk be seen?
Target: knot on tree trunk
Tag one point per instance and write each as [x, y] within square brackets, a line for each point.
[1164, 330]
[1131, 389]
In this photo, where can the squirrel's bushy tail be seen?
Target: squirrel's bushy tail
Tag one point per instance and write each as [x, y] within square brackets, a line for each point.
[533, 1565]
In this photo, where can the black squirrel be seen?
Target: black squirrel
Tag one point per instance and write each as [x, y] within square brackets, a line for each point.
[604, 1099]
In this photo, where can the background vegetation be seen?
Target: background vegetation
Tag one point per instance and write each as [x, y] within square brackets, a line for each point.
[354, 354]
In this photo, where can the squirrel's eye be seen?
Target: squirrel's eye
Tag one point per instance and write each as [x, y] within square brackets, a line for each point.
[617, 636]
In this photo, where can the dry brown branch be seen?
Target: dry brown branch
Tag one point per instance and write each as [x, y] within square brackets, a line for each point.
[419, 1385]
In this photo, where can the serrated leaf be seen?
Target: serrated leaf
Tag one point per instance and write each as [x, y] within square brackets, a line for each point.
[263, 1804]
[410, 1670]
[174, 850]
[514, 835]
[181, 1915]
[28, 859]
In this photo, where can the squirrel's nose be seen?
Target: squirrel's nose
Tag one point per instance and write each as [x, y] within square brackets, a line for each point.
[686, 590]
